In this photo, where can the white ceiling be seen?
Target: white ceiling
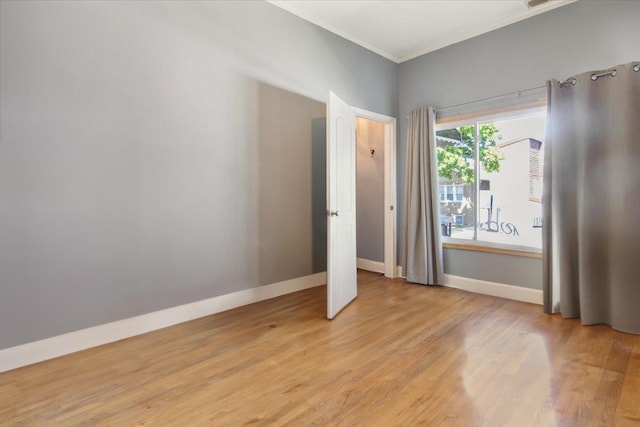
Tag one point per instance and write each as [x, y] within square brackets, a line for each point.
[403, 29]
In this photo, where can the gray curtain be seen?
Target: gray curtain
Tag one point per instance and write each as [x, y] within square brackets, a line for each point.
[592, 198]
[422, 250]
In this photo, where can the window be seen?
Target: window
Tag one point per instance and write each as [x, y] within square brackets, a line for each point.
[490, 178]
[535, 170]
[451, 193]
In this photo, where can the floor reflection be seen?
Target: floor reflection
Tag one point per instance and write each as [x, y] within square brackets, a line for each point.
[507, 377]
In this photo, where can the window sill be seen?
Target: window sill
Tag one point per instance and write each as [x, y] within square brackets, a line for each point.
[527, 253]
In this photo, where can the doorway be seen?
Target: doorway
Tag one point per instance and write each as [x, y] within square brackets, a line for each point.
[342, 287]
[376, 192]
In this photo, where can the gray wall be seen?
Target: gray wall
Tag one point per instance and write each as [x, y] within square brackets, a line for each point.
[370, 190]
[142, 158]
[284, 232]
[582, 36]
[514, 270]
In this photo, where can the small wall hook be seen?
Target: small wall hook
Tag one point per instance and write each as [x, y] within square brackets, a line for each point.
[371, 151]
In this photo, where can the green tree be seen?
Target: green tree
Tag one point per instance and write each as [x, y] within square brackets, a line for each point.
[455, 160]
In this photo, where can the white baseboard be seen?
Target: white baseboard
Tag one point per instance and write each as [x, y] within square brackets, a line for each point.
[517, 293]
[38, 351]
[367, 264]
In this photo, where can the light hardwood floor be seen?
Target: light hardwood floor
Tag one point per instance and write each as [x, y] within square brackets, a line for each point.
[399, 355]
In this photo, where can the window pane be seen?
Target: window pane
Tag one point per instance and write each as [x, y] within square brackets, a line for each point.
[455, 151]
[459, 193]
[511, 153]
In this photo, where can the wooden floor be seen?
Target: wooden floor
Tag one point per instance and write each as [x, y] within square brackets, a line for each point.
[400, 355]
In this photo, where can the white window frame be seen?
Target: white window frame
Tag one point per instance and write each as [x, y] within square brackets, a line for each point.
[477, 120]
[450, 189]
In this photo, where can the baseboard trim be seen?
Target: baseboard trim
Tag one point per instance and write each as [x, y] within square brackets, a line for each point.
[369, 265]
[517, 293]
[49, 348]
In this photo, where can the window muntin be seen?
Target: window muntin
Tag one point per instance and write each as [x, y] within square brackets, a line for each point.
[499, 201]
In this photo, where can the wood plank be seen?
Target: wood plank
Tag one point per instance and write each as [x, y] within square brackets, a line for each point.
[491, 250]
[400, 354]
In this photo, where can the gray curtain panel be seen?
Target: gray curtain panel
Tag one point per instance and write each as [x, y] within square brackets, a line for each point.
[422, 250]
[592, 198]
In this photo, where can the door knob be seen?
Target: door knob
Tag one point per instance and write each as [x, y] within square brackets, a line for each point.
[332, 213]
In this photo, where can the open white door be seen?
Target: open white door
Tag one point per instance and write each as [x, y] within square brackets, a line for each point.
[342, 285]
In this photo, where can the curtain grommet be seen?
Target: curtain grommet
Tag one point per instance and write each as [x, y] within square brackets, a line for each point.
[571, 81]
[611, 73]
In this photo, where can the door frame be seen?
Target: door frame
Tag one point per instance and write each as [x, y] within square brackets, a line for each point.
[390, 201]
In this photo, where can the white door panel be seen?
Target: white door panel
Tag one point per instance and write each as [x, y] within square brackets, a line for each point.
[342, 285]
